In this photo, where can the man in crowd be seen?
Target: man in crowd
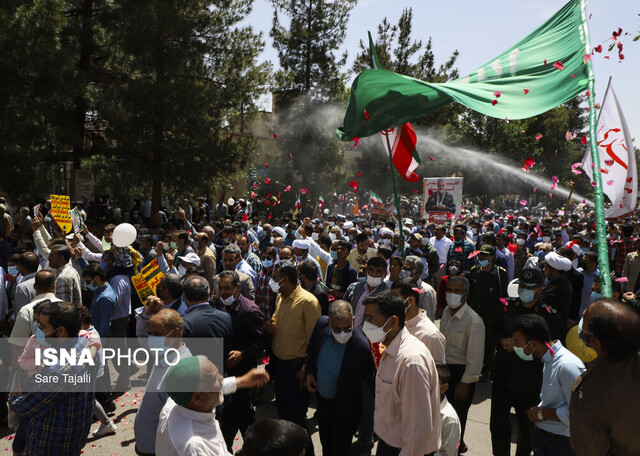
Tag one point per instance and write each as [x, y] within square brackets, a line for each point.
[416, 320]
[251, 258]
[246, 343]
[464, 332]
[450, 429]
[231, 260]
[531, 339]
[309, 280]
[68, 280]
[461, 249]
[265, 296]
[206, 255]
[295, 316]
[25, 292]
[558, 292]
[340, 273]
[441, 243]
[359, 256]
[589, 272]
[608, 426]
[104, 299]
[428, 299]
[407, 399]
[338, 363]
[576, 279]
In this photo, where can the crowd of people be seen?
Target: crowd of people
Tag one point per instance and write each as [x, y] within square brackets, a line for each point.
[388, 322]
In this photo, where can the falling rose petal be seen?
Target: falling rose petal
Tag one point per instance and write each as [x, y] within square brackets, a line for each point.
[593, 184]
[554, 179]
[534, 189]
[267, 181]
[620, 56]
[598, 48]
[593, 165]
[529, 162]
[573, 76]
[609, 182]
[522, 132]
[526, 91]
[353, 184]
[550, 196]
[494, 102]
[303, 191]
[415, 191]
[525, 169]
[506, 120]
[356, 140]
[604, 170]
[275, 136]
[266, 165]
[545, 62]
[523, 202]
[431, 157]
[584, 140]
[619, 45]
[503, 301]
[255, 185]
[622, 279]
[253, 195]
[571, 182]
[553, 186]
[576, 171]
[538, 137]
[497, 94]
[556, 152]
[558, 66]
[606, 57]
[568, 136]
[359, 173]
[586, 58]
[473, 254]
[287, 188]
[366, 115]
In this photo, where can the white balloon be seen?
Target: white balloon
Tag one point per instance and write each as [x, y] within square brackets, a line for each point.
[124, 235]
[231, 202]
[512, 289]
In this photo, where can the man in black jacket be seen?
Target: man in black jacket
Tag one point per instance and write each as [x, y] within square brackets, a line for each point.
[308, 272]
[337, 364]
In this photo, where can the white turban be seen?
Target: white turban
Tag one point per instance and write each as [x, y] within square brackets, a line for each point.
[386, 230]
[301, 244]
[557, 262]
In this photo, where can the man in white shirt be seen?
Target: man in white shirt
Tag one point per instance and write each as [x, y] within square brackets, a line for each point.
[450, 421]
[188, 424]
[464, 331]
[441, 243]
[428, 298]
[416, 320]
[407, 401]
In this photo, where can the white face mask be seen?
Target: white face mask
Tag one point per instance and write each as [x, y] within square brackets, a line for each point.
[520, 241]
[332, 237]
[331, 223]
[182, 271]
[275, 286]
[385, 241]
[229, 300]
[454, 300]
[374, 282]
[342, 337]
[454, 270]
[315, 236]
[375, 334]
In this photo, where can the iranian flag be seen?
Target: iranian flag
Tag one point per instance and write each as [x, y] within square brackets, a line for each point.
[297, 204]
[376, 200]
[403, 150]
[321, 201]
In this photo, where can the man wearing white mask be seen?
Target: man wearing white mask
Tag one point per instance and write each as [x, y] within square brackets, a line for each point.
[301, 252]
[407, 398]
[337, 365]
[464, 331]
[246, 343]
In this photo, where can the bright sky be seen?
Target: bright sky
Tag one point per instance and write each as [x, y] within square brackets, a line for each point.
[482, 30]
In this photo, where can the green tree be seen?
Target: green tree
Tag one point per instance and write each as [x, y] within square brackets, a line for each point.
[181, 80]
[309, 86]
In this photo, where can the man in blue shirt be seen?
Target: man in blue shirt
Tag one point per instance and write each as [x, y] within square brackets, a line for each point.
[338, 362]
[560, 370]
[104, 298]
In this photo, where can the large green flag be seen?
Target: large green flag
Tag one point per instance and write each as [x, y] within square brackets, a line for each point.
[542, 71]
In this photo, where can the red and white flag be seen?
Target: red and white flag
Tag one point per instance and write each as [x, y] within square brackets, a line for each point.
[617, 159]
[403, 145]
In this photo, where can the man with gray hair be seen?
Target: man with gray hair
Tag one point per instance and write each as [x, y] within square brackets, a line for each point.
[428, 298]
[338, 362]
[463, 330]
[232, 261]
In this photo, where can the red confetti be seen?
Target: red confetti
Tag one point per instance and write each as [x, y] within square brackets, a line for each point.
[534, 189]
[253, 195]
[573, 76]
[356, 140]
[245, 217]
[366, 115]
[275, 136]
[529, 162]
[550, 196]
[525, 169]
[353, 184]
[526, 91]
[593, 184]
[458, 249]
[266, 165]
[497, 94]
[523, 202]
[287, 188]
[588, 93]
[554, 179]
[620, 56]
[545, 62]
[359, 173]
[267, 181]
[430, 157]
[598, 48]
[558, 66]
[494, 102]
[538, 137]
[584, 140]
[303, 191]
[255, 185]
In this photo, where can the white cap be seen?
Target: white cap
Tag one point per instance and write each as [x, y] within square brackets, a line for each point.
[191, 258]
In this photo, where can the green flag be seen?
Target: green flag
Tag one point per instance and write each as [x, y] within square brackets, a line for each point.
[539, 73]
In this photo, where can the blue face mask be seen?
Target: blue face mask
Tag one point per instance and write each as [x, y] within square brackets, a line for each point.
[525, 295]
[267, 263]
[41, 337]
[92, 287]
[154, 237]
[13, 270]
[158, 342]
[484, 263]
[595, 296]
[334, 255]
[362, 279]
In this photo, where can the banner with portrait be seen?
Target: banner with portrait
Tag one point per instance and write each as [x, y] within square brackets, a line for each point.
[443, 196]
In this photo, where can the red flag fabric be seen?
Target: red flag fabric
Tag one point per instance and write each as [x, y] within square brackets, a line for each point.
[403, 144]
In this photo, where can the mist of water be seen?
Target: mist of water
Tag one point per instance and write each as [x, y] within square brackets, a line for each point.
[499, 170]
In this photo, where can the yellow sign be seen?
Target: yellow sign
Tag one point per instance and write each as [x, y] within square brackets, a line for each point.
[576, 346]
[60, 207]
[147, 280]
